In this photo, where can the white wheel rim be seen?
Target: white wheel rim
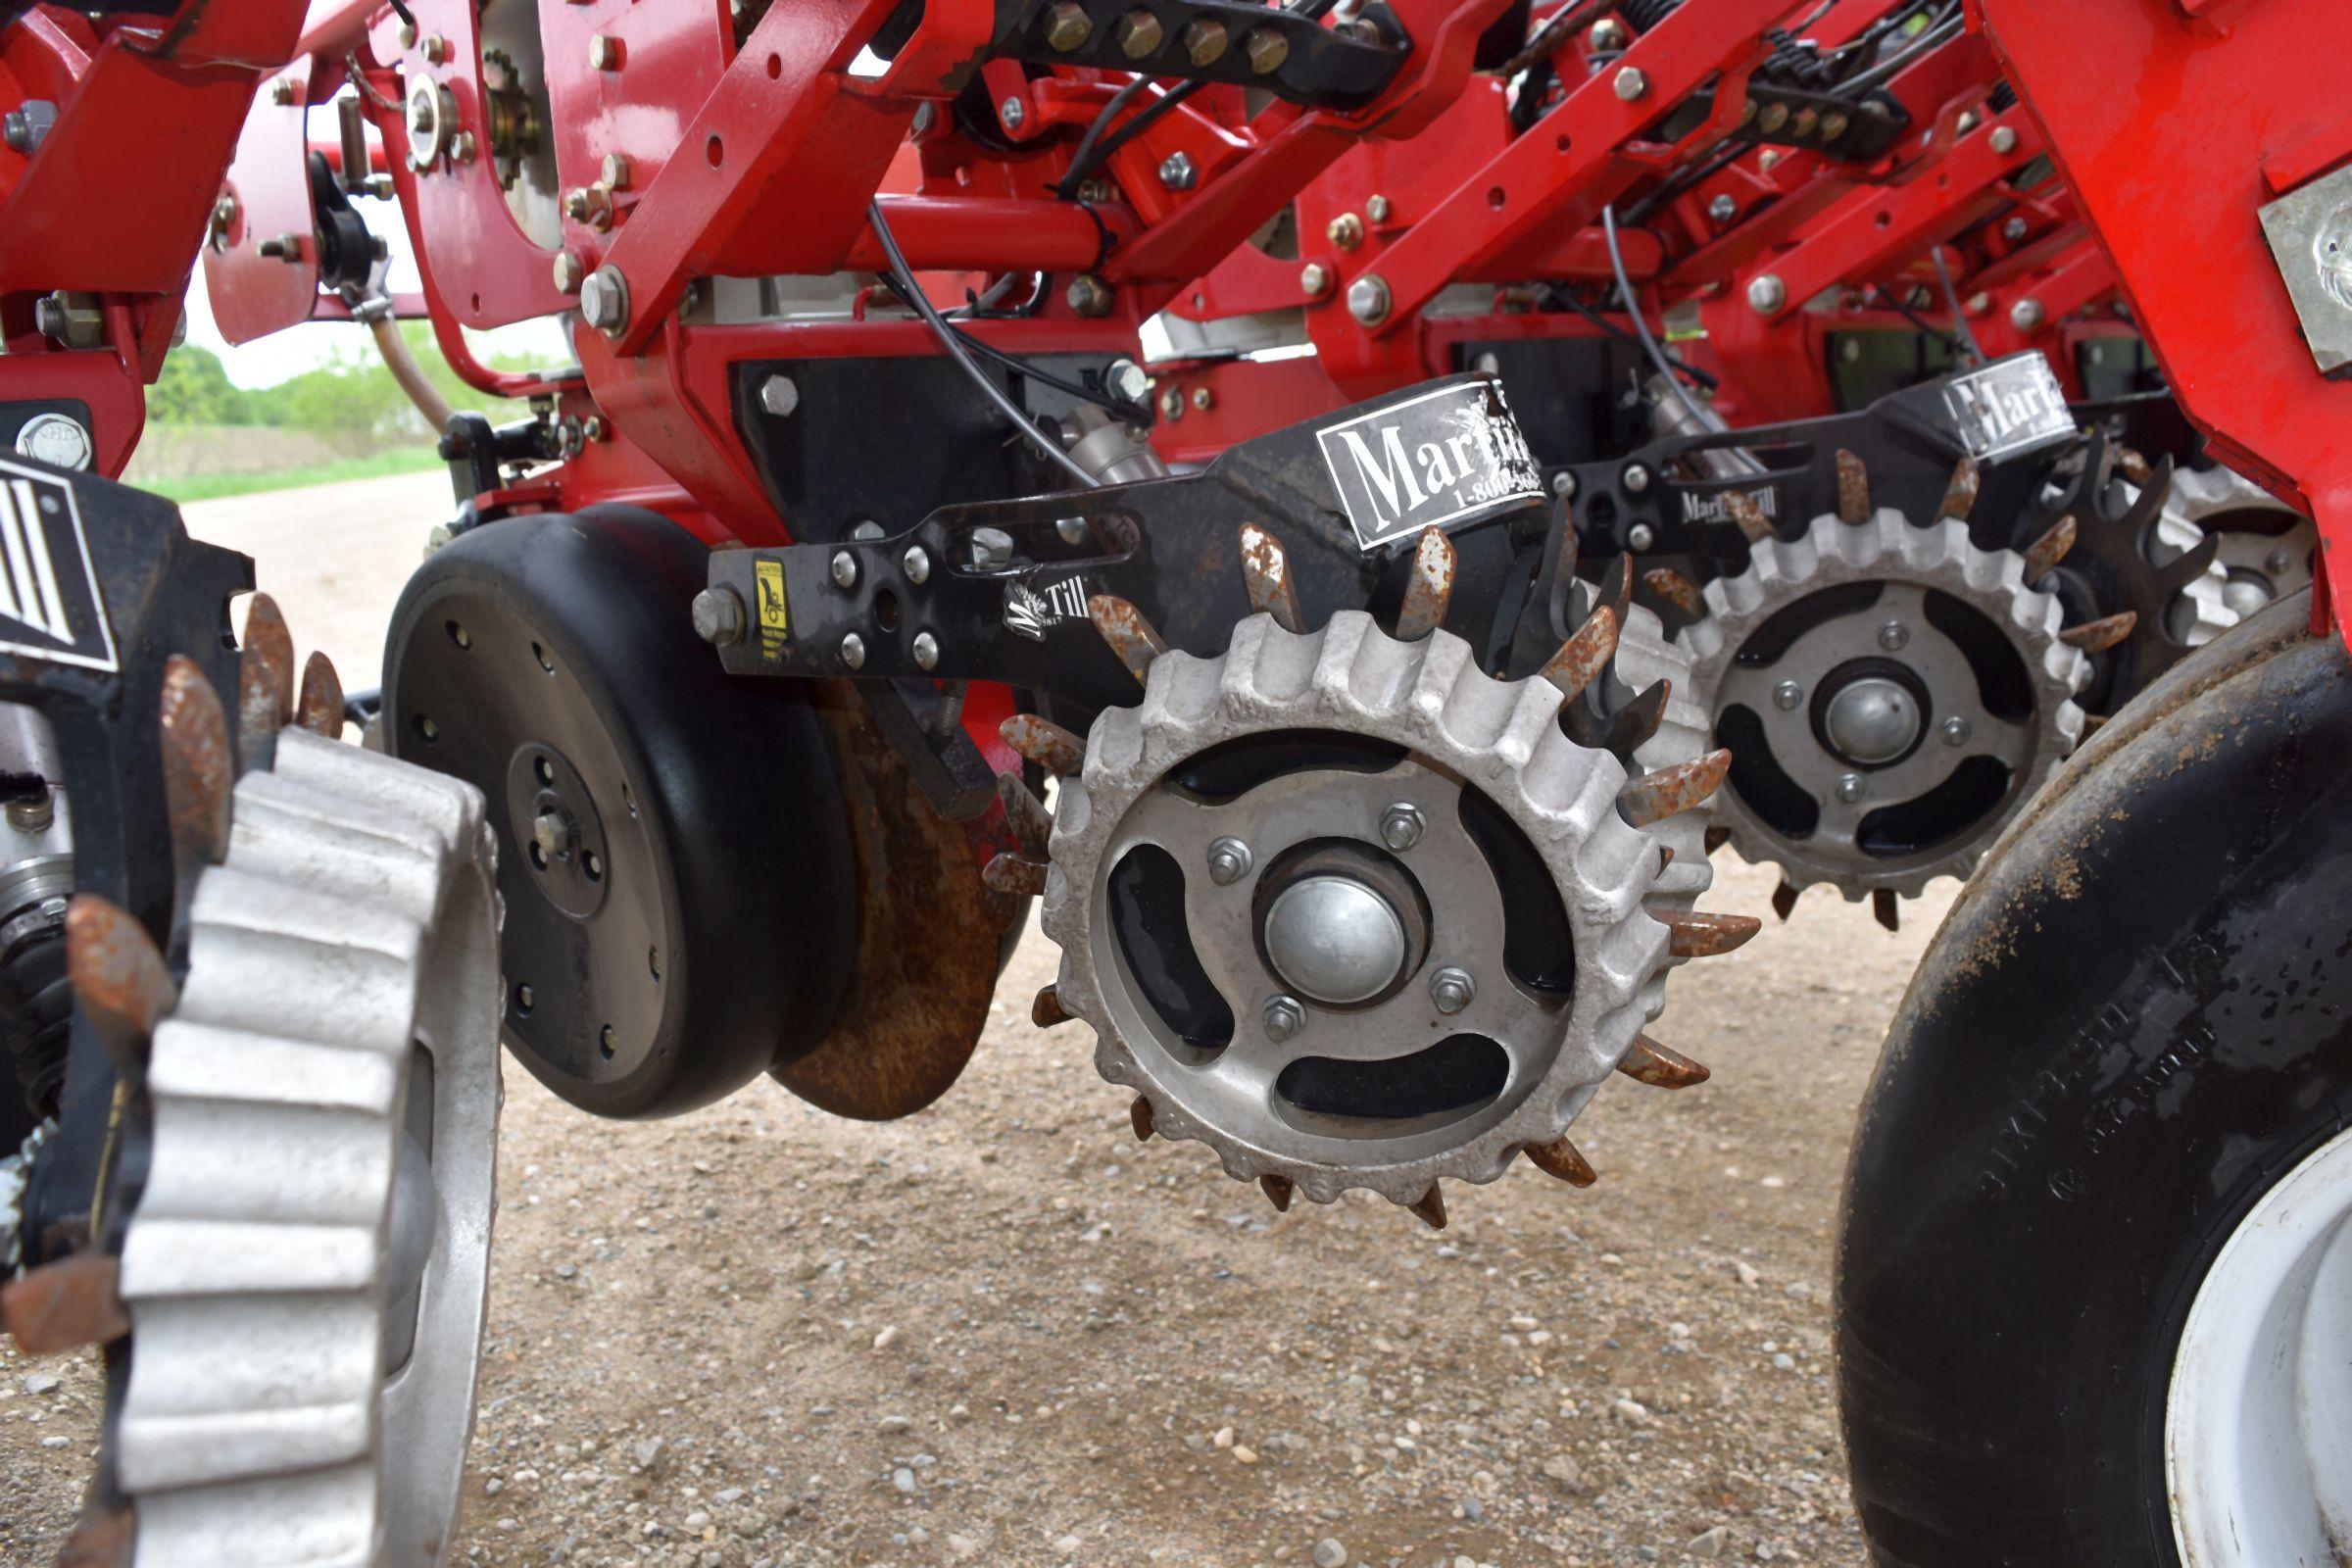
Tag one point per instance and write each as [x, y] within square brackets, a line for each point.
[2258, 1425]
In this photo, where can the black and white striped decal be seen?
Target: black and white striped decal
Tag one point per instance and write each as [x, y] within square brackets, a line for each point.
[49, 603]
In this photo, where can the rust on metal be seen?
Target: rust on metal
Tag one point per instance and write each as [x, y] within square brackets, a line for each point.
[1047, 1011]
[1045, 742]
[1013, 874]
[198, 771]
[1560, 1158]
[2134, 467]
[2097, 636]
[1665, 858]
[1660, 1066]
[1278, 1190]
[1139, 1116]
[1690, 934]
[1960, 496]
[1266, 577]
[1584, 655]
[2092, 723]
[1031, 824]
[321, 711]
[930, 937]
[118, 976]
[2049, 550]
[1617, 586]
[65, 1305]
[1784, 899]
[1887, 909]
[1853, 489]
[1133, 638]
[1660, 793]
[1427, 587]
[1677, 590]
[1431, 1207]
[265, 683]
[106, 1536]
[1748, 514]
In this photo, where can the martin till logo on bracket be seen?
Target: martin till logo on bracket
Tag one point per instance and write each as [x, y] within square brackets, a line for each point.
[1448, 457]
[49, 603]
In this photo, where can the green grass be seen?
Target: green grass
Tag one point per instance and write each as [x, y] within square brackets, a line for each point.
[374, 466]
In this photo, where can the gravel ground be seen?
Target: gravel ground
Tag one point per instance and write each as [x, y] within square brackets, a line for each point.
[1002, 1332]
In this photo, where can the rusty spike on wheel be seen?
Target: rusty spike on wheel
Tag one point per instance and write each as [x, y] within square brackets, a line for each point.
[1960, 496]
[1660, 1066]
[1031, 824]
[1134, 639]
[1662, 792]
[1693, 935]
[1617, 586]
[1266, 577]
[2097, 636]
[2092, 723]
[1428, 589]
[321, 711]
[1431, 1206]
[1853, 489]
[2049, 550]
[1139, 1116]
[1045, 742]
[118, 975]
[265, 683]
[1784, 899]
[1584, 655]
[104, 1536]
[1278, 1190]
[1560, 1158]
[1677, 590]
[1748, 514]
[1047, 1011]
[65, 1305]
[1887, 909]
[198, 771]
[2134, 467]
[1013, 874]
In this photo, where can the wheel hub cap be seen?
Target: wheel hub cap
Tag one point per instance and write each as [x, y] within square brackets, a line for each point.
[1334, 940]
[1872, 721]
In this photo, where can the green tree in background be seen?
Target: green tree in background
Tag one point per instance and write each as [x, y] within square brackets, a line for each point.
[195, 390]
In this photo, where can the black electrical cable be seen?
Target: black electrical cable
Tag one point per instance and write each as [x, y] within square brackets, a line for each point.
[1113, 404]
[1951, 297]
[955, 344]
[1083, 159]
[1888, 298]
[1562, 297]
[401, 10]
[1632, 309]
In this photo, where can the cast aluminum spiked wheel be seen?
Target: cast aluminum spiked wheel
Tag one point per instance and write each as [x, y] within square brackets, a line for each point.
[303, 1278]
[1354, 914]
[1891, 694]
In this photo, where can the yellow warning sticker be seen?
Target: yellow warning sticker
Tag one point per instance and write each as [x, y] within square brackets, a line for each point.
[774, 624]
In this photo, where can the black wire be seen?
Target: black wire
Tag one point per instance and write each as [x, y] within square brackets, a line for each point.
[1888, 298]
[1556, 293]
[401, 10]
[1083, 159]
[1675, 186]
[1110, 402]
[1135, 127]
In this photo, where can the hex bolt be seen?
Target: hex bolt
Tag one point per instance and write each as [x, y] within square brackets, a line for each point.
[1012, 114]
[1377, 208]
[616, 171]
[1724, 208]
[2004, 139]
[1894, 636]
[1766, 294]
[1229, 861]
[1205, 42]
[853, 651]
[1452, 990]
[436, 49]
[1071, 530]
[926, 651]
[718, 616]
[1067, 26]
[1851, 788]
[1088, 295]
[604, 52]
[1283, 1017]
[1786, 695]
[1314, 281]
[917, 562]
[1347, 231]
[407, 35]
[1640, 536]
[1402, 826]
[1176, 171]
[551, 834]
[1956, 731]
[1774, 116]
[1171, 404]
[605, 301]
[845, 569]
[1266, 49]
[1637, 477]
[569, 271]
[779, 396]
[1368, 299]
[2026, 316]
[1563, 484]
[1128, 379]
[1632, 82]
[1140, 33]
[1607, 35]
[2014, 230]
[1202, 398]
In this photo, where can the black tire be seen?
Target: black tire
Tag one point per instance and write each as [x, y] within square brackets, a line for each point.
[2137, 1020]
[714, 930]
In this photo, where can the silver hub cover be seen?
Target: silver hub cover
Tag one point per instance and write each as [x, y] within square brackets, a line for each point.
[1873, 719]
[1334, 940]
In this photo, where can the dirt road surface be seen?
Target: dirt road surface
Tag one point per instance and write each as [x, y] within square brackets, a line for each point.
[1000, 1330]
